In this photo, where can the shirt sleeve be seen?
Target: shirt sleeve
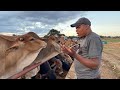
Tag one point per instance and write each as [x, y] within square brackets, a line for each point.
[95, 48]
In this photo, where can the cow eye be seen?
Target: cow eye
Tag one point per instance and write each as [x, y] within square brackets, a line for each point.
[32, 39]
[21, 39]
[58, 42]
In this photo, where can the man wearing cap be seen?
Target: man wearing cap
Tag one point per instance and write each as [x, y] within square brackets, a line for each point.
[87, 58]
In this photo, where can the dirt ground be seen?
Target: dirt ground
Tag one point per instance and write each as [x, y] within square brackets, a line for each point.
[110, 66]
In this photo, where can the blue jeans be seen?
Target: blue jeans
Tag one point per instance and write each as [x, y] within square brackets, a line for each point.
[46, 69]
[65, 66]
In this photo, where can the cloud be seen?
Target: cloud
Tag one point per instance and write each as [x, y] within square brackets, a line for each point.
[37, 21]
[49, 17]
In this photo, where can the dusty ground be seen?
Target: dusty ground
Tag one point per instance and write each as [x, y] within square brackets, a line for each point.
[110, 68]
[111, 61]
[71, 74]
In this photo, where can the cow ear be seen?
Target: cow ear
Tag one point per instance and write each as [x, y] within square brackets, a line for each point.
[9, 38]
[12, 48]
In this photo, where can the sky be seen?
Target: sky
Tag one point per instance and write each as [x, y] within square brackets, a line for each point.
[106, 23]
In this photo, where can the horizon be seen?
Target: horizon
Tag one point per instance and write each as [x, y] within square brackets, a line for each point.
[104, 23]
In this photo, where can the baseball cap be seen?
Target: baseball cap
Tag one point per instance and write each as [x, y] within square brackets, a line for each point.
[80, 21]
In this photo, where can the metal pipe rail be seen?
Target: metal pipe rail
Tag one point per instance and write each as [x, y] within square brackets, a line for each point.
[27, 69]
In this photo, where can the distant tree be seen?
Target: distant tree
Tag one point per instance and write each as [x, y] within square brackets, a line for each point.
[109, 37]
[61, 34]
[45, 36]
[13, 35]
[53, 32]
[102, 36]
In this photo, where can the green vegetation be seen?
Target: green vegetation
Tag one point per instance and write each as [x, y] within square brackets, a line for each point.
[105, 39]
[54, 32]
[111, 39]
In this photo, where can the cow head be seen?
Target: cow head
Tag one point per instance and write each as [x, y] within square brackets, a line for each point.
[27, 43]
[52, 49]
[21, 53]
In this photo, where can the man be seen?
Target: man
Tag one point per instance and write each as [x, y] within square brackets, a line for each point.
[46, 71]
[87, 58]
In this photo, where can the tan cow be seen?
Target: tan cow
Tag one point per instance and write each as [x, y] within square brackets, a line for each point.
[52, 49]
[5, 43]
[17, 52]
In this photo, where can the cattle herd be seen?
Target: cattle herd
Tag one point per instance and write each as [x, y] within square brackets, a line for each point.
[20, 52]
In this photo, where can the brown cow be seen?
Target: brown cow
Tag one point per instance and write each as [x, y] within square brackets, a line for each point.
[17, 52]
[47, 53]
[52, 49]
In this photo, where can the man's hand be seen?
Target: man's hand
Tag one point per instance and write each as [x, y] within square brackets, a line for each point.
[69, 51]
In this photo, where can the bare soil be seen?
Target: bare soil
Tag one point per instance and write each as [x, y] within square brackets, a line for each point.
[110, 66]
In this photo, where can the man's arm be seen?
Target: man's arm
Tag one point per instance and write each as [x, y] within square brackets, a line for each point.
[90, 63]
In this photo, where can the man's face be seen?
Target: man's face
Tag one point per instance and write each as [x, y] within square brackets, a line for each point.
[82, 30]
